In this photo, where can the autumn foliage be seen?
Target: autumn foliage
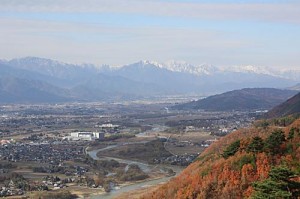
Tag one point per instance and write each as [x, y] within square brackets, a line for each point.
[232, 167]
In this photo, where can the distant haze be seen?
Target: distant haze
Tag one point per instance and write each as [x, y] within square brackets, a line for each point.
[224, 33]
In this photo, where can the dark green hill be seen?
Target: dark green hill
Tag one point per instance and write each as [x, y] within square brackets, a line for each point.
[244, 99]
[291, 106]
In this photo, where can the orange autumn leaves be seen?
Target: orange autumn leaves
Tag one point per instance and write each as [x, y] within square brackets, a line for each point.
[213, 176]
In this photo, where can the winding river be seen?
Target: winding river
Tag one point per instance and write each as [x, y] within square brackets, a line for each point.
[145, 167]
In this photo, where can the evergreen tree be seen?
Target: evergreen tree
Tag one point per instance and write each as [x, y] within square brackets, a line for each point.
[231, 149]
[278, 186]
[273, 142]
[291, 133]
[256, 145]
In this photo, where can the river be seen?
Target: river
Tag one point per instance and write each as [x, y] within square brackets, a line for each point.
[145, 167]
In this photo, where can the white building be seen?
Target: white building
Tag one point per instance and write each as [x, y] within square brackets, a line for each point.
[88, 136]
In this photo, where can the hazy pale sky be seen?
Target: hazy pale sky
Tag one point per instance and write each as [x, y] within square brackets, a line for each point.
[117, 32]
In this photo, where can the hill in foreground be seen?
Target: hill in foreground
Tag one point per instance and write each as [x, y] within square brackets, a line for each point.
[290, 107]
[254, 163]
[244, 99]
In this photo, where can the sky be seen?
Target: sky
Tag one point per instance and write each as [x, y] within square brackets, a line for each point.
[118, 32]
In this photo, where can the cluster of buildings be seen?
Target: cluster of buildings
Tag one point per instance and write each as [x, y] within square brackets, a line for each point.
[10, 190]
[45, 152]
[108, 128]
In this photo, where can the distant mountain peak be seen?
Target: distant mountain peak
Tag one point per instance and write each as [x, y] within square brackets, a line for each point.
[180, 66]
[3, 61]
[144, 78]
[251, 69]
[37, 61]
[50, 67]
[45, 62]
[185, 67]
[148, 62]
[209, 69]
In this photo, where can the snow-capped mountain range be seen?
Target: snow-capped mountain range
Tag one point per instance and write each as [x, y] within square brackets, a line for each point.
[182, 66]
[87, 82]
[209, 69]
[50, 66]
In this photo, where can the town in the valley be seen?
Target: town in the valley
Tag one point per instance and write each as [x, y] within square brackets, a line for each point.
[97, 149]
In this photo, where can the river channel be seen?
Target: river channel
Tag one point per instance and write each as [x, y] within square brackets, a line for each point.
[145, 167]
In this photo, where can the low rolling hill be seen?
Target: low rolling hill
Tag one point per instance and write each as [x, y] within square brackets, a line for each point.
[244, 99]
[16, 90]
[290, 107]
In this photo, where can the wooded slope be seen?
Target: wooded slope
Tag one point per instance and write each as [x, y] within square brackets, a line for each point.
[258, 162]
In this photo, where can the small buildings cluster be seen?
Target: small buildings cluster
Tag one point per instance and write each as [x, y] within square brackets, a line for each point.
[53, 153]
[8, 191]
[108, 128]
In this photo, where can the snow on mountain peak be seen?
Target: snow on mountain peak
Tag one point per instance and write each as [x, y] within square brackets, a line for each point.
[182, 66]
[55, 68]
[148, 62]
[250, 69]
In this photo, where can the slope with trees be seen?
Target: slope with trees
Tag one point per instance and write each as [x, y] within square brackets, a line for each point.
[259, 162]
[290, 107]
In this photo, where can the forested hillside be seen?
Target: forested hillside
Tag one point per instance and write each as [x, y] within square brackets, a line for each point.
[259, 162]
[244, 99]
[290, 107]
